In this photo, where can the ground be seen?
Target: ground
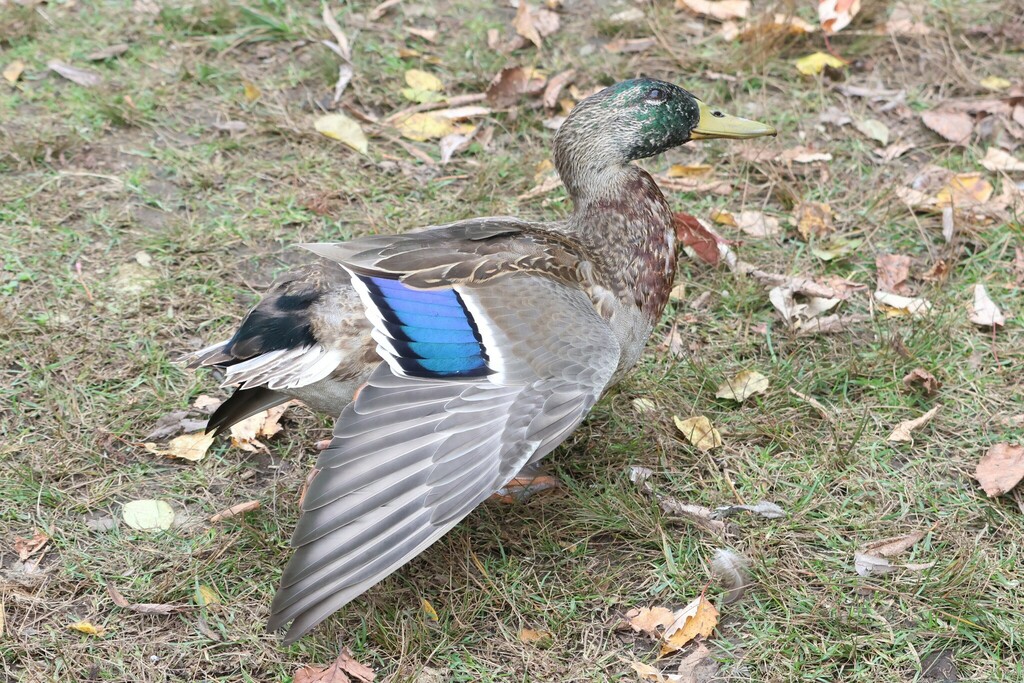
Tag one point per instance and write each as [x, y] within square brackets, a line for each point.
[135, 229]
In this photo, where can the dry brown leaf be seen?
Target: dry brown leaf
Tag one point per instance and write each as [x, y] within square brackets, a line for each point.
[984, 311]
[191, 447]
[743, 385]
[235, 510]
[553, 89]
[529, 635]
[999, 160]
[646, 672]
[523, 24]
[717, 9]
[1001, 468]
[893, 271]
[511, 83]
[427, 34]
[245, 433]
[890, 547]
[696, 235]
[954, 126]
[813, 219]
[753, 223]
[142, 607]
[12, 72]
[903, 431]
[629, 45]
[344, 669]
[87, 627]
[699, 431]
[650, 620]
[83, 77]
[27, 547]
[699, 618]
[922, 379]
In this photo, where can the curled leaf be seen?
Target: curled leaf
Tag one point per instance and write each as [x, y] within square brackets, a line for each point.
[699, 431]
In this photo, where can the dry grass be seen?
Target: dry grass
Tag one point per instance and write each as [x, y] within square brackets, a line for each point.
[91, 178]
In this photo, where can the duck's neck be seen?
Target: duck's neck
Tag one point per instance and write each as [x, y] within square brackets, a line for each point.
[626, 223]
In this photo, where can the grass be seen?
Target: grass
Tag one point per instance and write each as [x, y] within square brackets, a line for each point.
[92, 177]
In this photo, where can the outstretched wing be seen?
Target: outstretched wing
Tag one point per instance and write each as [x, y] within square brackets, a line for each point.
[479, 380]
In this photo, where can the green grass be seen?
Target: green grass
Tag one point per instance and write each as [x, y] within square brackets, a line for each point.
[91, 178]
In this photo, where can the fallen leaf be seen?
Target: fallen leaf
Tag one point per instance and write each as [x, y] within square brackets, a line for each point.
[903, 430]
[743, 385]
[717, 9]
[535, 24]
[803, 155]
[998, 160]
[84, 77]
[191, 447]
[890, 547]
[375, 14]
[698, 618]
[346, 130]
[428, 610]
[340, 39]
[425, 126]
[984, 312]
[206, 596]
[874, 129]
[815, 63]
[835, 15]
[553, 89]
[629, 45]
[646, 672]
[251, 91]
[696, 667]
[234, 511]
[905, 20]
[919, 378]
[423, 86]
[753, 223]
[12, 72]
[965, 189]
[1001, 468]
[866, 564]
[529, 636]
[730, 568]
[765, 509]
[245, 433]
[141, 607]
[511, 83]
[342, 670]
[698, 514]
[995, 83]
[452, 143]
[148, 515]
[27, 547]
[87, 627]
[892, 272]
[108, 52]
[954, 126]
[699, 432]
[813, 219]
[836, 247]
[427, 34]
[693, 233]
[650, 620]
[894, 304]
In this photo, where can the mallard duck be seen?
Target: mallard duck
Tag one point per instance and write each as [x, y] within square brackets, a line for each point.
[477, 346]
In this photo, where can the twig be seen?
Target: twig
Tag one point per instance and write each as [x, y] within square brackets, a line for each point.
[81, 280]
[816, 404]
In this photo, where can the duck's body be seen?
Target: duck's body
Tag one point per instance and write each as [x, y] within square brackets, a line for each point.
[479, 346]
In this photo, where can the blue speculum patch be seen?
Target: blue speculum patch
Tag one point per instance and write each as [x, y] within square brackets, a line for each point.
[435, 334]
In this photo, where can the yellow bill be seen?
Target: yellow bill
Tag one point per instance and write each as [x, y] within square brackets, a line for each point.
[716, 124]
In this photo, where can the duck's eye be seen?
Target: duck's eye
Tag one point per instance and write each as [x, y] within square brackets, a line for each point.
[717, 114]
[656, 95]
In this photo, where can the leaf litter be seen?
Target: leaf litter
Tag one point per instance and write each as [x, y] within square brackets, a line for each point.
[1001, 468]
[873, 558]
[903, 432]
[345, 669]
[742, 386]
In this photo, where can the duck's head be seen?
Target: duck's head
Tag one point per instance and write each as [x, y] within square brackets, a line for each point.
[637, 119]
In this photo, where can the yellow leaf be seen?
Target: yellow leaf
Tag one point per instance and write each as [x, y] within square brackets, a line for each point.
[688, 170]
[206, 596]
[744, 384]
[342, 128]
[965, 188]
[425, 126]
[148, 515]
[699, 431]
[421, 80]
[699, 618]
[428, 610]
[995, 83]
[896, 305]
[252, 93]
[191, 447]
[529, 635]
[815, 63]
[814, 219]
[12, 72]
[87, 627]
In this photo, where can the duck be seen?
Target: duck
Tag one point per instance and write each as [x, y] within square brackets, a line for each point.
[457, 356]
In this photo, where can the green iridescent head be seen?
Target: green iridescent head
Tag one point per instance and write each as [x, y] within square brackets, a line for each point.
[640, 118]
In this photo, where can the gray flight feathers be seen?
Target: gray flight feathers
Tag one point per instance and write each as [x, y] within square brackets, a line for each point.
[411, 456]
